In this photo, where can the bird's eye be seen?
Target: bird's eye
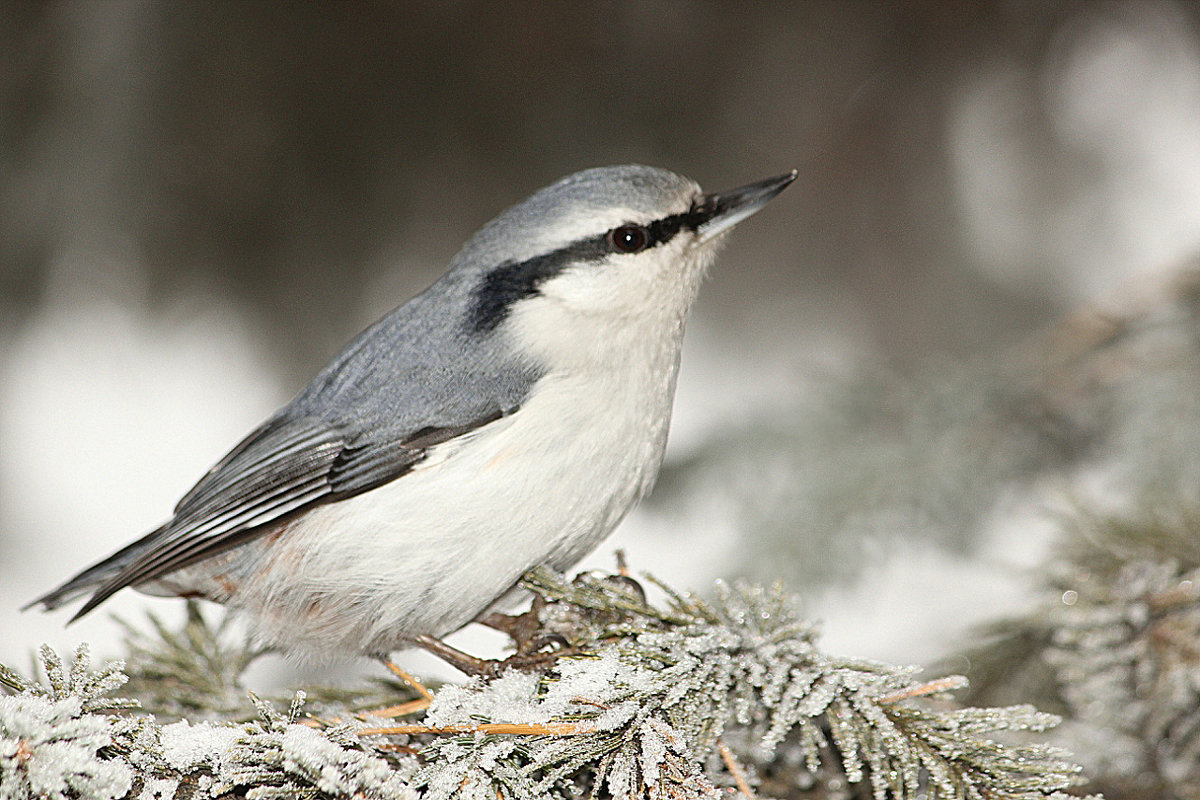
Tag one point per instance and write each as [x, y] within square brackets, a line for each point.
[628, 238]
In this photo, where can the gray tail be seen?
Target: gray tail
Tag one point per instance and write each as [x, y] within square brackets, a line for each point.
[94, 576]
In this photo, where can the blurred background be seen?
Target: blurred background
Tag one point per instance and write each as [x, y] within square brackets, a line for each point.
[965, 315]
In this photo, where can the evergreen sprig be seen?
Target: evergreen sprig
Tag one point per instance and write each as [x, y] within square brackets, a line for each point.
[59, 739]
[745, 668]
[1125, 615]
[1114, 647]
[191, 671]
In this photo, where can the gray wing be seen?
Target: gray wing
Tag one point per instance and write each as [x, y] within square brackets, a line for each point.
[284, 466]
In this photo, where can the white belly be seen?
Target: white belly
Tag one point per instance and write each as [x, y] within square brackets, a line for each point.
[430, 551]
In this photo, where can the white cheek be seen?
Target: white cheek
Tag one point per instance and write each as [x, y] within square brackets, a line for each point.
[592, 287]
[666, 277]
[619, 317]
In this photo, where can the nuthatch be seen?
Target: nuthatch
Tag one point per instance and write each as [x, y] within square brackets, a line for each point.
[508, 416]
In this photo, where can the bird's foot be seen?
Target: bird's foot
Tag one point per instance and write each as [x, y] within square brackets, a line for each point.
[540, 660]
[525, 630]
[536, 659]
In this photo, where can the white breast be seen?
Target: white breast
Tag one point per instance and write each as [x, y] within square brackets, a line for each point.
[431, 550]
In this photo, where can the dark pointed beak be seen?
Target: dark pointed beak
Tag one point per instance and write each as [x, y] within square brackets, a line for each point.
[719, 212]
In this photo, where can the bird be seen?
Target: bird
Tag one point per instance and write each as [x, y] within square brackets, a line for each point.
[508, 416]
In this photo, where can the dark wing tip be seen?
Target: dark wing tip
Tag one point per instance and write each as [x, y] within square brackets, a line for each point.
[72, 589]
[59, 596]
[46, 601]
[99, 574]
[102, 594]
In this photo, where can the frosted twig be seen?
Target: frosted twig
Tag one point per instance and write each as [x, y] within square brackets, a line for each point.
[921, 690]
[735, 769]
[497, 728]
[403, 709]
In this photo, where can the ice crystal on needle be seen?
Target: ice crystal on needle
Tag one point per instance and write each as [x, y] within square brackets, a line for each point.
[49, 748]
[53, 744]
[663, 688]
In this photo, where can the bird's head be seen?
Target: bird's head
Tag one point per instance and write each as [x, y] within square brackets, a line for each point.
[607, 245]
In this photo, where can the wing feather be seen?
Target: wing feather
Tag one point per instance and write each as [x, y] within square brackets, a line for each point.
[284, 466]
[270, 444]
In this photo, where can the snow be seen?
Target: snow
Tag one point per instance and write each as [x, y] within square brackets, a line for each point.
[48, 750]
[187, 747]
[340, 771]
[510, 698]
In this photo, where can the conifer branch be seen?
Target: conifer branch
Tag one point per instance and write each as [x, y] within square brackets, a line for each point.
[1114, 646]
[664, 700]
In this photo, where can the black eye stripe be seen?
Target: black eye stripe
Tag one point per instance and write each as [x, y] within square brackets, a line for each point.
[507, 283]
[511, 281]
[663, 230]
[660, 231]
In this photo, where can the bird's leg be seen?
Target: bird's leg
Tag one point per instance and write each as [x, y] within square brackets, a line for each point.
[535, 660]
[527, 636]
[404, 709]
[497, 621]
[463, 662]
